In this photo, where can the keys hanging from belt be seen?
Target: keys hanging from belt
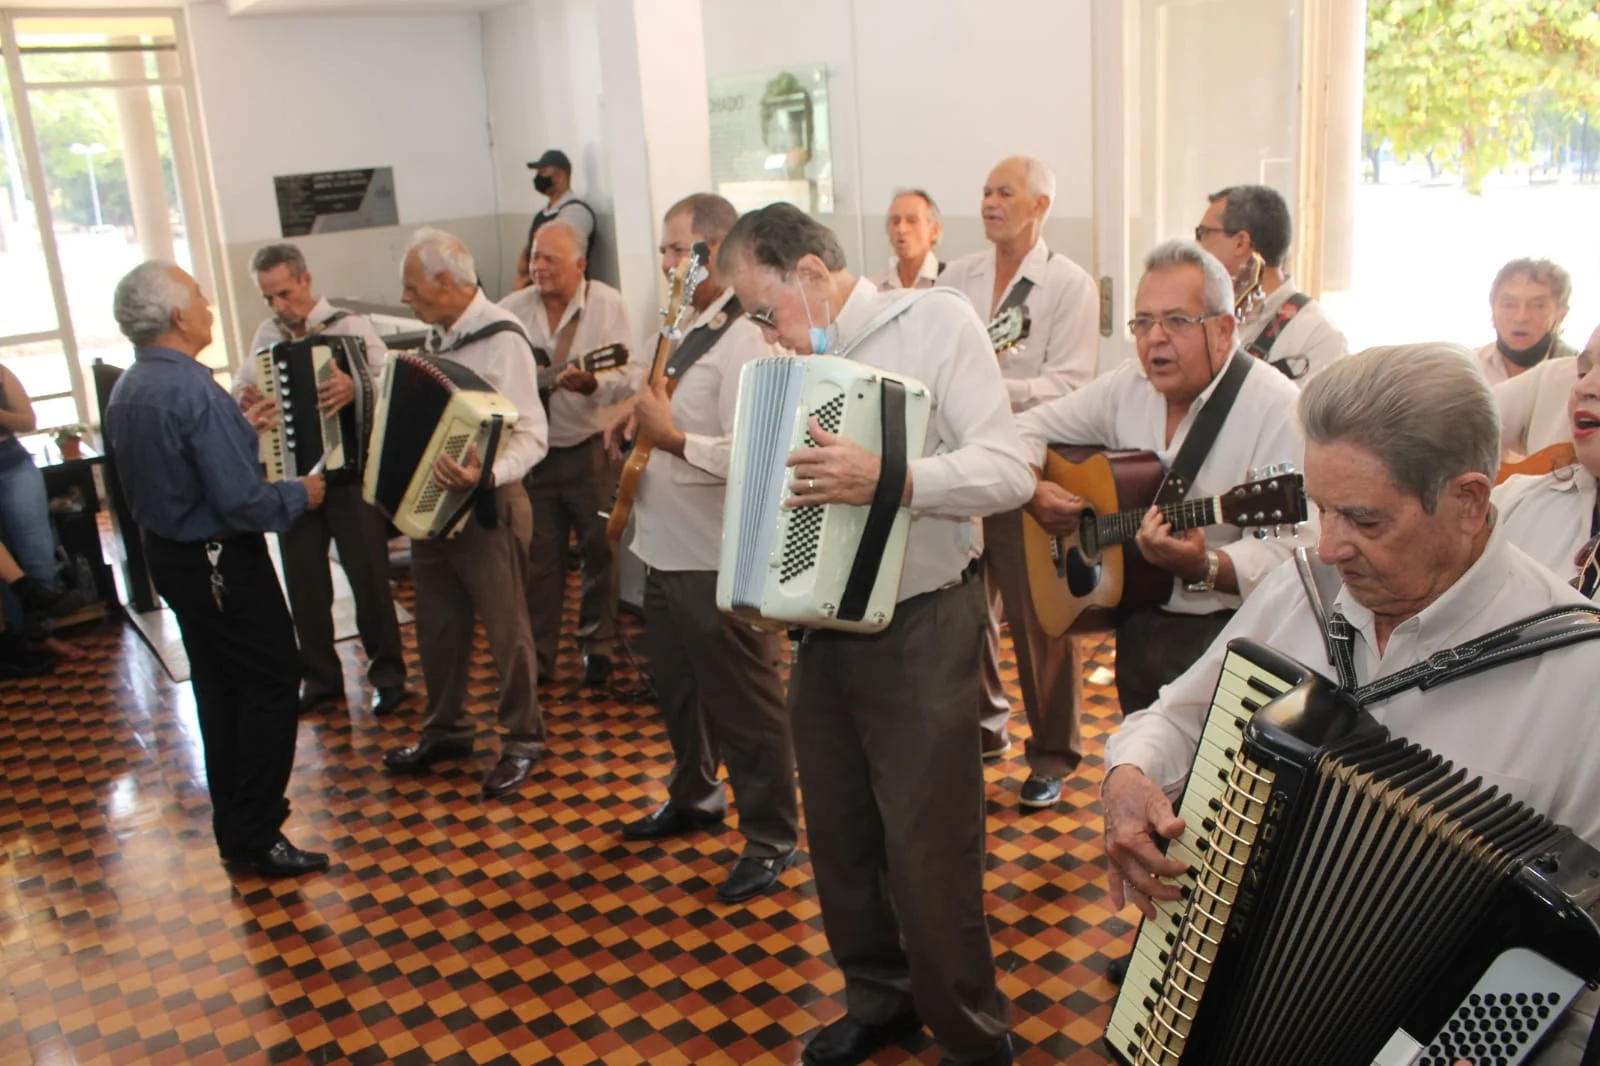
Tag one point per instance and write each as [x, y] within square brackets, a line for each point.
[218, 589]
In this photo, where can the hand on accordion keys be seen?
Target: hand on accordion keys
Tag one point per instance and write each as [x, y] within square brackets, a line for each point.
[335, 393]
[262, 414]
[1137, 811]
[458, 477]
[836, 471]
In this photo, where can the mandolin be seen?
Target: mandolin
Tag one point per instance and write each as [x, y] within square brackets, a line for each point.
[1083, 581]
[675, 318]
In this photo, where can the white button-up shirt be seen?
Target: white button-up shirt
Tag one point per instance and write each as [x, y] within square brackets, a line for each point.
[1548, 516]
[1122, 410]
[1062, 349]
[506, 363]
[1308, 335]
[1493, 364]
[1528, 727]
[1533, 407]
[351, 325]
[677, 512]
[927, 274]
[972, 463]
[602, 320]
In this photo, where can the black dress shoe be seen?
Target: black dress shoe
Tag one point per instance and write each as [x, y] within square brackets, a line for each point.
[669, 820]
[283, 859]
[1000, 1056]
[310, 699]
[508, 775]
[1040, 790]
[596, 670]
[1117, 970]
[390, 699]
[753, 876]
[424, 753]
[848, 1041]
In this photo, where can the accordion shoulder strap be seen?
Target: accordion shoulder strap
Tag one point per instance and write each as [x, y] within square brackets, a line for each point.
[1547, 630]
[885, 506]
[889, 314]
[499, 325]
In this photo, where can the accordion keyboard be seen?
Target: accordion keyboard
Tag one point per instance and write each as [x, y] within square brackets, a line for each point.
[1220, 808]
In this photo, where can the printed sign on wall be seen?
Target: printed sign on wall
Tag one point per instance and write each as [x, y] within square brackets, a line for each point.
[336, 200]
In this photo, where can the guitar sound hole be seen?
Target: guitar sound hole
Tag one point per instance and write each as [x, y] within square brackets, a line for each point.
[1083, 576]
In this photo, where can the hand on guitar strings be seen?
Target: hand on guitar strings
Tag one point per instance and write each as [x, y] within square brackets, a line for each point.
[1054, 508]
[458, 477]
[579, 381]
[336, 393]
[622, 430]
[652, 412]
[1182, 554]
[1137, 812]
[838, 470]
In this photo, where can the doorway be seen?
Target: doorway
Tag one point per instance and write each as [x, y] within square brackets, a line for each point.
[102, 170]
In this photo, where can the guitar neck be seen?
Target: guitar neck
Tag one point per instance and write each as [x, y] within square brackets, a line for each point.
[1122, 526]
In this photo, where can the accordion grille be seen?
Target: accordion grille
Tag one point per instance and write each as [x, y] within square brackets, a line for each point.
[804, 532]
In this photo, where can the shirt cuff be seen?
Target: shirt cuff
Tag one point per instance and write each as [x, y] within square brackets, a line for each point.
[711, 454]
[1017, 392]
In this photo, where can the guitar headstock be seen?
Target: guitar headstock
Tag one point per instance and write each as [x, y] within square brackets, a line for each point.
[608, 358]
[681, 283]
[1009, 329]
[1276, 498]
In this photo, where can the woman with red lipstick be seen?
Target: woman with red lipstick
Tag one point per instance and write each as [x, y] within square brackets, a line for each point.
[1553, 517]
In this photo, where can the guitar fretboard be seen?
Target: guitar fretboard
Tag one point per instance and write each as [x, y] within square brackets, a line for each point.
[1122, 526]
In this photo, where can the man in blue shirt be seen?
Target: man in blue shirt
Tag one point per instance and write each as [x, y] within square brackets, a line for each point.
[186, 458]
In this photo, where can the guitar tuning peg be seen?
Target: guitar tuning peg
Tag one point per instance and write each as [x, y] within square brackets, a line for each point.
[1285, 468]
[1259, 533]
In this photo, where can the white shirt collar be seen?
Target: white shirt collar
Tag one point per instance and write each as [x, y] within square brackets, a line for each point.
[929, 269]
[477, 313]
[714, 309]
[573, 309]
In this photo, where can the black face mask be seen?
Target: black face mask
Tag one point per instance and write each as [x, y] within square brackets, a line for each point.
[1532, 355]
[543, 182]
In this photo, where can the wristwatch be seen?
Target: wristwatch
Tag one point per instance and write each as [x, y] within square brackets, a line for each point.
[1209, 582]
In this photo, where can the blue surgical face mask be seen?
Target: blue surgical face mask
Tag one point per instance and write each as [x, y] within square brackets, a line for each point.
[819, 334]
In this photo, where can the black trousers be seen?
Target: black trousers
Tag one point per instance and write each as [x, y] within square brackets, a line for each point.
[1155, 647]
[245, 670]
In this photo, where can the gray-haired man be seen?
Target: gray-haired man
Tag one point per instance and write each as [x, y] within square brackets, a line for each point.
[186, 458]
[345, 518]
[1402, 448]
[1184, 327]
[482, 570]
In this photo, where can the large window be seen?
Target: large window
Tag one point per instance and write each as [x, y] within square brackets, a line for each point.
[101, 170]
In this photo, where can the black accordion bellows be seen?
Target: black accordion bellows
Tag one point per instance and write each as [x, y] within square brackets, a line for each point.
[1357, 900]
[289, 373]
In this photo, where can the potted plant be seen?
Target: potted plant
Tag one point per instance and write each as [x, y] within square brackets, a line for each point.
[69, 440]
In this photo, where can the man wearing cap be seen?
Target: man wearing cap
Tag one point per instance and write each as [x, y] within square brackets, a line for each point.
[553, 179]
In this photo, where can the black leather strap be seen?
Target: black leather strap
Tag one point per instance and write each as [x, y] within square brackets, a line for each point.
[1203, 434]
[482, 499]
[499, 325]
[1016, 297]
[1548, 630]
[702, 340]
[884, 508]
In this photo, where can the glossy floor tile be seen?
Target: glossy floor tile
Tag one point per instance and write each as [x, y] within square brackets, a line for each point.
[450, 929]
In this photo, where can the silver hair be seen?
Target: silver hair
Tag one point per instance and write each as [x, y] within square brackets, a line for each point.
[560, 225]
[933, 208]
[276, 255]
[1217, 292]
[146, 299]
[1041, 180]
[1424, 410]
[442, 253]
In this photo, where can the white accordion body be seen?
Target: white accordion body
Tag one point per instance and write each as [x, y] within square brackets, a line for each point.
[430, 407]
[792, 565]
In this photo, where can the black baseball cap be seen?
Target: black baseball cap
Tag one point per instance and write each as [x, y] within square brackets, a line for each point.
[555, 157]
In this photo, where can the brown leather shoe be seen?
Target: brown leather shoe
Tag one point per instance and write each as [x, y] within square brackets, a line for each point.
[507, 776]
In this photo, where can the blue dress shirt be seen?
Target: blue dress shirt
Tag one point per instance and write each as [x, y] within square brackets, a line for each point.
[186, 457]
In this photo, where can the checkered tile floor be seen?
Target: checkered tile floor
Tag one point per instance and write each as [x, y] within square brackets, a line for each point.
[451, 930]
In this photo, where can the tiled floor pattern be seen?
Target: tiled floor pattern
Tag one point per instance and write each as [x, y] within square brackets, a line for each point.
[452, 930]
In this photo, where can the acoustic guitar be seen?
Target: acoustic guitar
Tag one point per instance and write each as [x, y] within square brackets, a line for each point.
[1544, 461]
[675, 318]
[608, 358]
[1083, 581]
[1009, 329]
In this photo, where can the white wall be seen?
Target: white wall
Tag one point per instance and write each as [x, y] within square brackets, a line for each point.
[541, 64]
[932, 93]
[292, 95]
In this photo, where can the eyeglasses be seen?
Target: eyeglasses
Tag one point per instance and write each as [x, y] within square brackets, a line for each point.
[1201, 231]
[765, 317]
[1171, 325]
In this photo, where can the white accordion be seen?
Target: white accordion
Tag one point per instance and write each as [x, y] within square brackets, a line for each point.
[430, 407]
[831, 566]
